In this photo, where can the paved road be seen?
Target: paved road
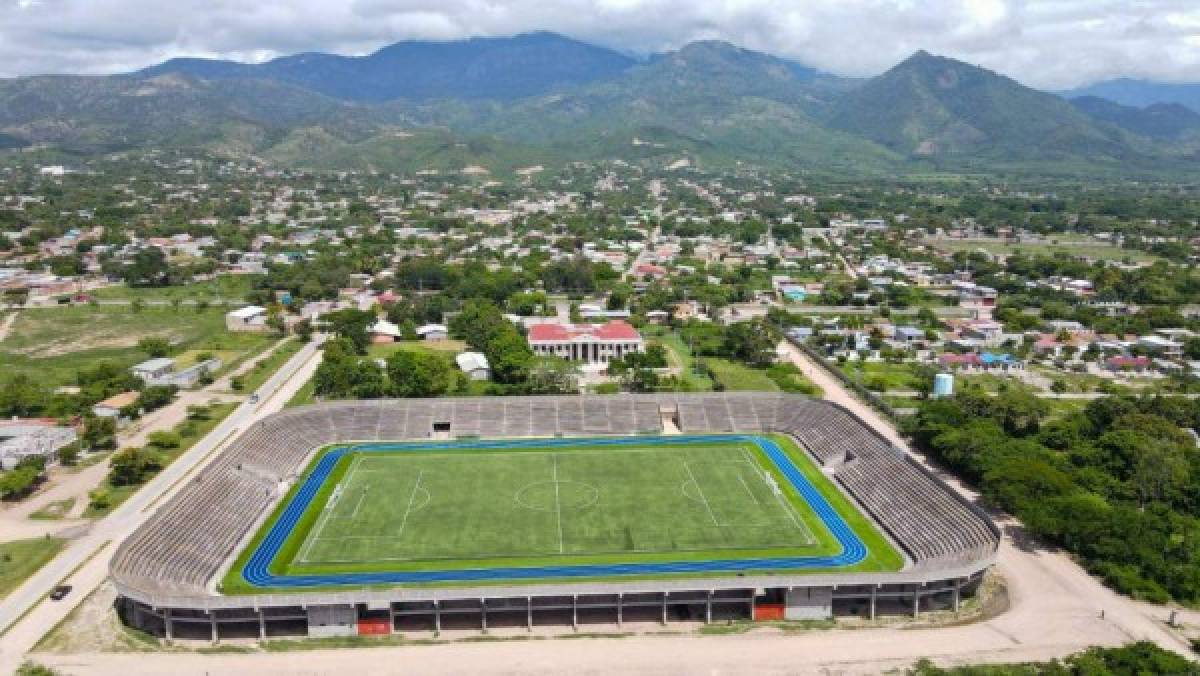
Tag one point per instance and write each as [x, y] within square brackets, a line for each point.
[15, 523]
[24, 615]
[1050, 592]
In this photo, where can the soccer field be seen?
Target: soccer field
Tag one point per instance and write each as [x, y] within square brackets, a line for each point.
[493, 511]
[536, 503]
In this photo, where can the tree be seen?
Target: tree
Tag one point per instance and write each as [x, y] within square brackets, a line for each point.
[509, 356]
[68, 455]
[154, 346]
[640, 380]
[477, 323]
[148, 267]
[22, 396]
[164, 439]
[752, 342]
[18, 481]
[415, 374]
[1019, 410]
[351, 324]
[155, 397]
[304, 330]
[132, 466]
[275, 320]
[552, 375]
[99, 432]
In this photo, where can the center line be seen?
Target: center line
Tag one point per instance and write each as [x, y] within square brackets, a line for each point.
[411, 497]
[557, 507]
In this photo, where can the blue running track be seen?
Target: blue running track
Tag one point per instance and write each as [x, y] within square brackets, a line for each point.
[256, 571]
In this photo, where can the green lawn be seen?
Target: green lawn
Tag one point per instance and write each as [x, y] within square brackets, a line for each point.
[53, 344]
[881, 376]
[536, 506]
[681, 357]
[54, 511]
[1065, 245]
[304, 395]
[222, 288]
[264, 369]
[734, 376]
[21, 558]
[445, 348]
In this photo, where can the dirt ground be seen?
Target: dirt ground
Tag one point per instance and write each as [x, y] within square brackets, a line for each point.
[93, 627]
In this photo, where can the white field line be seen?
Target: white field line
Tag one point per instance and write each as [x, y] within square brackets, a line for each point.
[700, 490]
[327, 512]
[557, 505]
[747, 487]
[361, 497]
[786, 504]
[412, 496]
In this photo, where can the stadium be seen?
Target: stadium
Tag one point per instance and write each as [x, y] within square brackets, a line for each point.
[374, 517]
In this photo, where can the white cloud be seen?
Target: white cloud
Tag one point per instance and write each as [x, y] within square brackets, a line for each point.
[1045, 43]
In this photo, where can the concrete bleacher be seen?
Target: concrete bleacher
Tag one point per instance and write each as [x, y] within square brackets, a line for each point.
[182, 548]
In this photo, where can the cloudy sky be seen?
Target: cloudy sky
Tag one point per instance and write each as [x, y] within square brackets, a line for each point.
[1043, 43]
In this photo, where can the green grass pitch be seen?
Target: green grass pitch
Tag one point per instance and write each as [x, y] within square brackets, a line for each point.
[527, 503]
[515, 506]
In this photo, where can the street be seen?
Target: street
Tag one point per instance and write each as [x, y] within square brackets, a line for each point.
[25, 616]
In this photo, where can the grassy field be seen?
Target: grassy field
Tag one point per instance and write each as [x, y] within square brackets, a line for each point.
[1091, 248]
[527, 506]
[21, 558]
[53, 344]
[734, 376]
[881, 376]
[304, 395]
[264, 369]
[54, 511]
[445, 348]
[419, 507]
[224, 287]
[681, 358]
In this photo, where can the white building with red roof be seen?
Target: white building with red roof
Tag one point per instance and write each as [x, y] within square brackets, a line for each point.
[592, 343]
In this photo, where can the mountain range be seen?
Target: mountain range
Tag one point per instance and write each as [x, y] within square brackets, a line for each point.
[543, 98]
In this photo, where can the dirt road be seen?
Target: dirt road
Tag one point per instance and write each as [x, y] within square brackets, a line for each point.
[25, 615]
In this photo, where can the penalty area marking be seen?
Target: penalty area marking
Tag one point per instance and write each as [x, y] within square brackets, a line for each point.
[327, 511]
[809, 536]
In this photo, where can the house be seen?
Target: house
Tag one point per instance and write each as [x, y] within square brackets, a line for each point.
[31, 437]
[658, 316]
[475, 365]
[111, 407]
[986, 361]
[383, 331]
[908, 334]
[249, 318]
[1126, 364]
[433, 332]
[1158, 345]
[986, 331]
[154, 369]
[585, 342]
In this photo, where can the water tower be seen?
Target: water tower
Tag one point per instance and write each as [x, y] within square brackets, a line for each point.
[943, 385]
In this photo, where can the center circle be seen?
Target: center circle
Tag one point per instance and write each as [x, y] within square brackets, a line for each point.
[548, 496]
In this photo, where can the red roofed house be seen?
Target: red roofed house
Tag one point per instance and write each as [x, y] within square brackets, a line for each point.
[1135, 364]
[585, 342]
[650, 270]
